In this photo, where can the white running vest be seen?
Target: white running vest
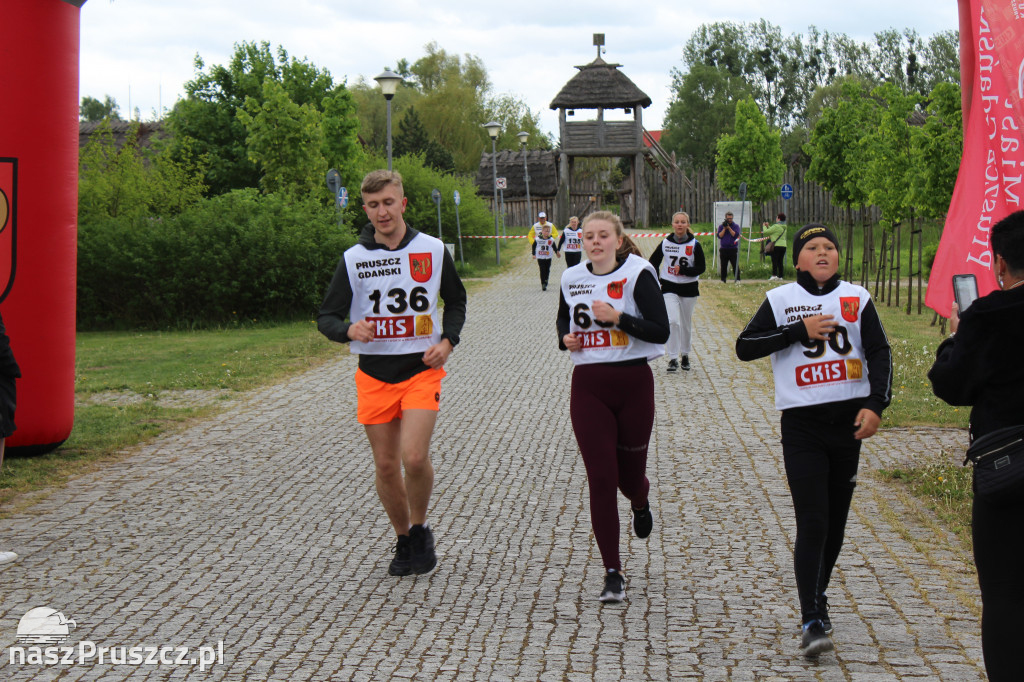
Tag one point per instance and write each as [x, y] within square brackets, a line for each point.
[573, 240]
[545, 248]
[676, 257]
[820, 371]
[581, 288]
[397, 291]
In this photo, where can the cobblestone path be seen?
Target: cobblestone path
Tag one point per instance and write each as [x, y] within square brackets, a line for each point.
[260, 529]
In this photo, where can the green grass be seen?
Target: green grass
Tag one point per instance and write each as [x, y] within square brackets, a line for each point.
[122, 381]
[945, 488]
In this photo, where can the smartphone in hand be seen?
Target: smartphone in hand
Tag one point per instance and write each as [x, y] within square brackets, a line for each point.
[965, 291]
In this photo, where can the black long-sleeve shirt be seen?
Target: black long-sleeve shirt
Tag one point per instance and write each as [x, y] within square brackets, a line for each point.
[762, 337]
[980, 366]
[333, 320]
[652, 325]
[688, 289]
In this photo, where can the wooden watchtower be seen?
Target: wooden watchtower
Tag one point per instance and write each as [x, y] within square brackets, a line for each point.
[601, 86]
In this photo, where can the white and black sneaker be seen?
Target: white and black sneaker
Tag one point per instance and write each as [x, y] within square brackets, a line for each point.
[673, 365]
[614, 587]
[814, 641]
[684, 362]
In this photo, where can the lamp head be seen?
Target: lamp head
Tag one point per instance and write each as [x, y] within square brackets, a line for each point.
[493, 128]
[389, 81]
[523, 136]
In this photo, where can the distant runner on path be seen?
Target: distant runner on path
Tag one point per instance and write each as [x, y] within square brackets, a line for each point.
[612, 318]
[383, 300]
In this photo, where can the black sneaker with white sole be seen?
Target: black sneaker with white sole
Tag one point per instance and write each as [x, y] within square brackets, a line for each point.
[685, 362]
[814, 641]
[673, 365]
[424, 559]
[402, 563]
[614, 587]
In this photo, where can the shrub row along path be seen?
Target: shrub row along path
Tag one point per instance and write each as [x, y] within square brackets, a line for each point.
[260, 528]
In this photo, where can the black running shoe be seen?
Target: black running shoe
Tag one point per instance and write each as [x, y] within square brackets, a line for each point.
[402, 563]
[673, 365]
[423, 557]
[685, 362]
[814, 640]
[826, 622]
[643, 521]
[614, 587]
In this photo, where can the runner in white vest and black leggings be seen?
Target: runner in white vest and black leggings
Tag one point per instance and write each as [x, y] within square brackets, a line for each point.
[833, 377]
[612, 319]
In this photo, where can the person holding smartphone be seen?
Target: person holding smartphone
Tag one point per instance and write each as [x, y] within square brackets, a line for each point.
[973, 367]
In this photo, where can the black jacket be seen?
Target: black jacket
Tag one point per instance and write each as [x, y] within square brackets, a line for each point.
[981, 365]
[333, 320]
[762, 337]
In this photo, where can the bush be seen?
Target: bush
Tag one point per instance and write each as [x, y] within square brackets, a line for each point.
[418, 181]
[238, 257]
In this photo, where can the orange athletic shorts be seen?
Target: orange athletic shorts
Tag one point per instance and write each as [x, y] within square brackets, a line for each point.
[380, 402]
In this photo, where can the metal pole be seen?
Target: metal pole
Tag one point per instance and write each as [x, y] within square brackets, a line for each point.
[458, 227]
[389, 133]
[743, 208]
[501, 192]
[494, 169]
[526, 176]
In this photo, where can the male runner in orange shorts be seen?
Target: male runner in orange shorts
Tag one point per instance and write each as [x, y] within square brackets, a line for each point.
[383, 300]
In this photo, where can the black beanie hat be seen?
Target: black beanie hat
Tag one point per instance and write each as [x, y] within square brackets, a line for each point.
[809, 232]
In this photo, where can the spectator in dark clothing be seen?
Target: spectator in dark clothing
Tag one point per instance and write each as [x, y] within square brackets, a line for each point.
[729, 246]
[977, 365]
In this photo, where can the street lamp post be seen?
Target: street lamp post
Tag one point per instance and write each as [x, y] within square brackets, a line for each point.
[493, 128]
[526, 176]
[389, 81]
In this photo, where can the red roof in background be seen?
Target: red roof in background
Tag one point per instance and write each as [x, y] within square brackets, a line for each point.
[656, 134]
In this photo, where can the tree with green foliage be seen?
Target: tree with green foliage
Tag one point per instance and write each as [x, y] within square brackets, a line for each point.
[888, 162]
[783, 72]
[702, 109]
[206, 120]
[752, 154]
[285, 141]
[451, 95]
[412, 138]
[132, 183]
[93, 110]
[937, 147]
[834, 150]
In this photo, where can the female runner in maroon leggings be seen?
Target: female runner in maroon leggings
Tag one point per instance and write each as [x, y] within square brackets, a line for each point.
[612, 317]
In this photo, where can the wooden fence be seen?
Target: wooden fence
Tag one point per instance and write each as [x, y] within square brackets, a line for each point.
[695, 193]
[670, 192]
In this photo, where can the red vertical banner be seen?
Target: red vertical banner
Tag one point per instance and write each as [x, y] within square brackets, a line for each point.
[990, 184]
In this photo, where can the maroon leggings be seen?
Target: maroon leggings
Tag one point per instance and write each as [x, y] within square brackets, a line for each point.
[612, 410]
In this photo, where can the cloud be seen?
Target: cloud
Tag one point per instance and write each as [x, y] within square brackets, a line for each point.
[141, 52]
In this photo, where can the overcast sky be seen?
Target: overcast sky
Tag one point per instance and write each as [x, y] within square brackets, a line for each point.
[141, 52]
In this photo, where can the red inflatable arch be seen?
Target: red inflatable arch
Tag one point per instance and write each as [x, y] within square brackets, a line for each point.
[38, 212]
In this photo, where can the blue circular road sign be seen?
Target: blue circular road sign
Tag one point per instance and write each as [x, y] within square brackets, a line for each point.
[787, 191]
